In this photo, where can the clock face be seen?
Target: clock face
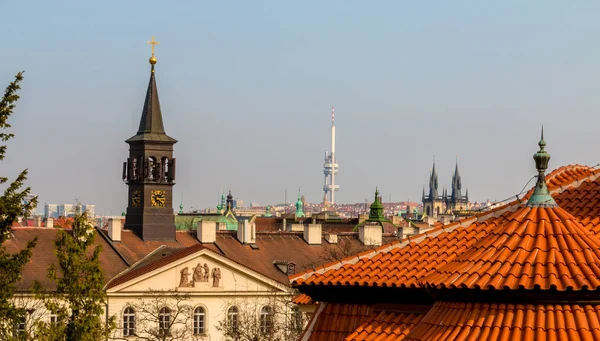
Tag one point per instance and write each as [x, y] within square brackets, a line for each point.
[158, 198]
[136, 198]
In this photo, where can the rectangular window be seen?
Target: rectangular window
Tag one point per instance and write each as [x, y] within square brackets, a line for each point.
[19, 330]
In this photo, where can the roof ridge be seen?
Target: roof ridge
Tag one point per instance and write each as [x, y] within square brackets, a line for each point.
[135, 272]
[465, 222]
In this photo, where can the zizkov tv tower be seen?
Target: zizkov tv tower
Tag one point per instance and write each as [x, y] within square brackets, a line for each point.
[330, 167]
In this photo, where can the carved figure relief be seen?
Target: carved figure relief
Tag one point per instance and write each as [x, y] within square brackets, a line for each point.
[198, 275]
[216, 275]
[184, 281]
[206, 272]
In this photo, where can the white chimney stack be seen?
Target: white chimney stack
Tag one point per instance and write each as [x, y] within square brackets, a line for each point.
[370, 235]
[114, 229]
[312, 234]
[246, 232]
[37, 221]
[332, 238]
[207, 232]
[50, 222]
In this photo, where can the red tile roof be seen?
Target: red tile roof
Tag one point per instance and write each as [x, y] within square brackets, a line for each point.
[43, 255]
[386, 326]
[543, 248]
[493, 321]
[401, 264]
[146, 268]
[405, 263]
[334, 321]
[510, 247]
[302, 299]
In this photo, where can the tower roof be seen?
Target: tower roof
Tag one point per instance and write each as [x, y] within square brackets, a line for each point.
[151, 124]
[376, 212]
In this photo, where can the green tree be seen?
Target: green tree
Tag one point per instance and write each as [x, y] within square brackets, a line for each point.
[79, 299]
[13, 204]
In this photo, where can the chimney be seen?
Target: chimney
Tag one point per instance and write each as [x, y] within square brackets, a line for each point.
[370, 235]
[37, 221]
[207, 232]
[114, 229]
[312, 234]
[362, 217]
[284, 224]
[246, 232]
[400, 232]
[332, 238]
[297, 227]
[49, 222]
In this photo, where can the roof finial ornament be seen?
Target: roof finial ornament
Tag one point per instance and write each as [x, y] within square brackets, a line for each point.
[541, 196]
[153, 59]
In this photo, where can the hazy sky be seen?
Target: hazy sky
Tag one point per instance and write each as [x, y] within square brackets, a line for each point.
[247, 87]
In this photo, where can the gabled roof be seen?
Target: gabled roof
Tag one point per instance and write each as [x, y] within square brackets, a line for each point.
[151, 266]
[405, 263]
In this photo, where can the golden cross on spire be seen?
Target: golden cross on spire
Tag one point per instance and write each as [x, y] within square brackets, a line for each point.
[153, 59]
[153, 42]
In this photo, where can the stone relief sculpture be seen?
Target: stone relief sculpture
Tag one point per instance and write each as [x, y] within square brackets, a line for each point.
[198, 275]
[216, 275]
[206, 272]
[184, 279]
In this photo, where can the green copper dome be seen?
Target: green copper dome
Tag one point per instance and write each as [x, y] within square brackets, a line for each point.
[376, 212]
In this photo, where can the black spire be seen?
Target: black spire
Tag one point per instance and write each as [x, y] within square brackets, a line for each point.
[456, 184]
[229, 200]
[433, 184]
[151, 125]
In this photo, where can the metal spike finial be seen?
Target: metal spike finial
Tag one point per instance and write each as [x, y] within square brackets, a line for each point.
[541, 196]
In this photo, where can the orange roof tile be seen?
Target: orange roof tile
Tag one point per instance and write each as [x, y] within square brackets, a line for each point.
[492, 321]
[334, 321]
[568, 174]
[302, 299]
[402, 264]
[544, 248]
[386, 326]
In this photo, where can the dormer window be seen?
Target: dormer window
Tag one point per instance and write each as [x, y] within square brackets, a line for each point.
[291, 268]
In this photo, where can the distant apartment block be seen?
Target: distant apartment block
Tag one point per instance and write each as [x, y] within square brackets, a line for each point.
[67, 210]
[51, 211]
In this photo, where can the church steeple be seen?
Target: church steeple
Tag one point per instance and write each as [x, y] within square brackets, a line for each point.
[151, 124]
[456, 184]
[433, 203]
[433, 183]
[150, 171]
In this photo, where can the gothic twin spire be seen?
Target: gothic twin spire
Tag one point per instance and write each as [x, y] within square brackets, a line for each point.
[456, 193]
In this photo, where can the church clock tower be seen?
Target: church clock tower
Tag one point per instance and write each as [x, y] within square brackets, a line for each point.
[150, 172]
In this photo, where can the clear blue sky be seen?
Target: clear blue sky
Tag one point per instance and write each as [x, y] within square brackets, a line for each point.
[247, 87]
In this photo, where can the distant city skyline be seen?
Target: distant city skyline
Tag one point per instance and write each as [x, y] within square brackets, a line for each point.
[247, 90]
